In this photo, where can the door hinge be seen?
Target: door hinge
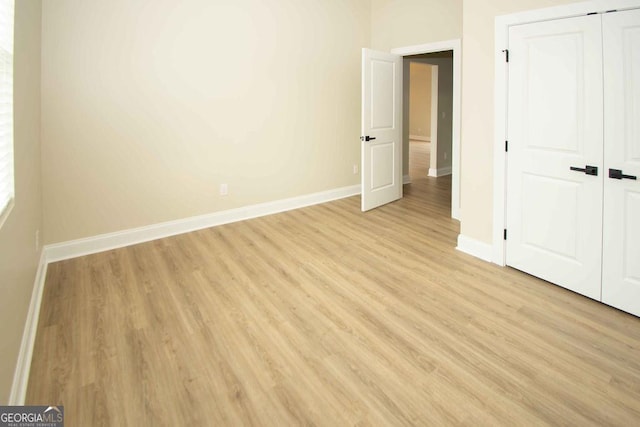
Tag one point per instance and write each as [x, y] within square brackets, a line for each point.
[506, 146]
[506, 54]
[505, 234]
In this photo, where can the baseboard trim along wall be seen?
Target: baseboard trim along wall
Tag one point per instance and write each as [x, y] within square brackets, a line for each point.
[119, 239]
[474, 247]
[420, 138]
[23, 365]
[440, 172]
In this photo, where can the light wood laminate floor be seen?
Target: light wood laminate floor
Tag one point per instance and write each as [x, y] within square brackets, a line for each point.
[327, 316]
[419, 159]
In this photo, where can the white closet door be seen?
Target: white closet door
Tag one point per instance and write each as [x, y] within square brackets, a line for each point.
[554, 214]
[621, 251]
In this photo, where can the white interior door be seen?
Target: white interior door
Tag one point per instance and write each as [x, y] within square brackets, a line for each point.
[621, 250]
[554, 214]
[381, 128]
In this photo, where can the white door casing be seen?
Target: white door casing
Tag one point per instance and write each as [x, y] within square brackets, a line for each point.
[621, 246]
[554, 214]
[381, 150]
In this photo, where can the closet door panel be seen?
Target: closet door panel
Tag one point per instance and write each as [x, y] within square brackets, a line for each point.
[554, 214]
[621, 243]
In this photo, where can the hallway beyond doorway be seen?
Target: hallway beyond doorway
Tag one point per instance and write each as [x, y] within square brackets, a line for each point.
[419, 159]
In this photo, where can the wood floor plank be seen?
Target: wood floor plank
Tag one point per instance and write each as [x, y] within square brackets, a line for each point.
[328, 316]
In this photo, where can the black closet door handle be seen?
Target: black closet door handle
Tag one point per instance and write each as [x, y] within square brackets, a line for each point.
[589, 170]
[617, 174]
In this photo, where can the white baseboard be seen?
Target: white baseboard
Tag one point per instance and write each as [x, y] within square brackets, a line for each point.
[23, 365]
[440, 172]
[474, 247]
[420, 138]
[406, 179]
[119, 239]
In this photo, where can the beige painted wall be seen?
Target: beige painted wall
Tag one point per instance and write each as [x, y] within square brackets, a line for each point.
[420, 100]
[399, 23]
[476, 177]
[18, 254]
[148, 106]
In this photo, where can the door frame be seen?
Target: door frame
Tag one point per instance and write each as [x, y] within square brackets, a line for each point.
[454, 45]
[501, 75]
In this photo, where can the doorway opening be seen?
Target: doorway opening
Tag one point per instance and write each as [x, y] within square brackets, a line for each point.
[443, 158]
[428, 93]
[423, 119]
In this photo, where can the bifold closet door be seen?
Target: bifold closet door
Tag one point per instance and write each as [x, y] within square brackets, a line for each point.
[621, 250]
[555, 115]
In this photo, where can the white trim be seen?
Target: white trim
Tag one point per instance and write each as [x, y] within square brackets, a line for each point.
[406, 179]
[435, 173]
[502, 24]
[474, 247]
[455, 46]
[420, 138]
[427, 47]
[119, 239]
[7, 210]
[23, 364]
[499, 154]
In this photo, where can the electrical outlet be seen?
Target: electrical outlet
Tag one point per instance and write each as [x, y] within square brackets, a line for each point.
[445, 155]
[37, 240]
[224, 189]
[355, 169]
